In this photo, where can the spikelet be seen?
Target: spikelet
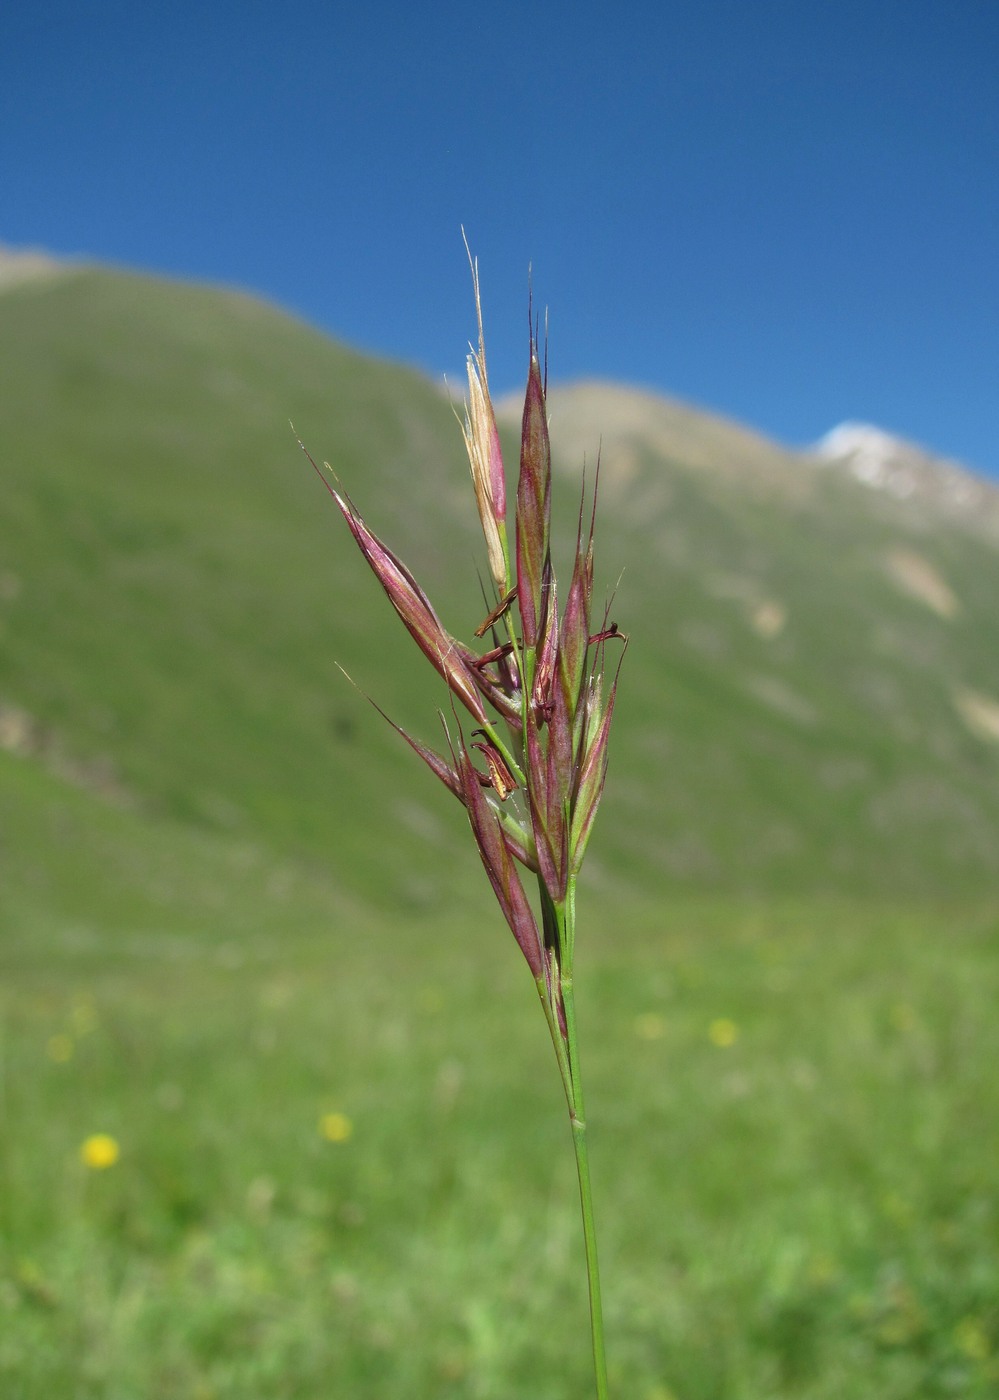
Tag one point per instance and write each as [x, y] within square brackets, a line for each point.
[534, 803]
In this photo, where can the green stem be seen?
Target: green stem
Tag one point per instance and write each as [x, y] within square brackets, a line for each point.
[573, 1084]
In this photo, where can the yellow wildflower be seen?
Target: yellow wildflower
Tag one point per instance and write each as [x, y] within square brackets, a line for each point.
[723, 1032]
[335, 1127]
[99, 1151]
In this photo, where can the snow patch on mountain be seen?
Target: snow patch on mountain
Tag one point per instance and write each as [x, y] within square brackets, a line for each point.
[908, 473]
[874, 457]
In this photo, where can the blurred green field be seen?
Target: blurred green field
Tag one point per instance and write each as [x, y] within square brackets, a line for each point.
[244, 935]
[795, 1123]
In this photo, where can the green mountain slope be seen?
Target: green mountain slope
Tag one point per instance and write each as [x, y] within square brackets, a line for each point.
[822, 693]
[811, 700]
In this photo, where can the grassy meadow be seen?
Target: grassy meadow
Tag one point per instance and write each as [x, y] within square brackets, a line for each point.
[345, 1170]
[279, 1115]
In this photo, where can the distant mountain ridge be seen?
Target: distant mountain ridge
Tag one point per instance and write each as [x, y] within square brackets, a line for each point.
[620, 417]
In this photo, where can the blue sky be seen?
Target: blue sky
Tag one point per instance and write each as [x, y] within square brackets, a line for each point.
[784, 211]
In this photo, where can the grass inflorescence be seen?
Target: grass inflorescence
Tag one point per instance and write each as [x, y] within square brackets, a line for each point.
[543, 712]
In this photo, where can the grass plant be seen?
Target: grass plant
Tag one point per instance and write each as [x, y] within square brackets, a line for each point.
[544, 714]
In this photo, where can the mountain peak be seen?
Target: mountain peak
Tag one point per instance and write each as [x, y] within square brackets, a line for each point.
[26, 264]
[874, 456]
[907, 471]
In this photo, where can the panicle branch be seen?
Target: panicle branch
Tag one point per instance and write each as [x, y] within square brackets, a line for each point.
[540, 683]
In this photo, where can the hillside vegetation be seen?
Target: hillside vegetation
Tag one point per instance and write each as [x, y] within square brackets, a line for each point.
[811, 700]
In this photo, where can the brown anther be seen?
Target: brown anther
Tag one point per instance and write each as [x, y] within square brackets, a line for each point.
[612, 630]
[494, 655]
[499, 776]
[498, 611]
[544, 689]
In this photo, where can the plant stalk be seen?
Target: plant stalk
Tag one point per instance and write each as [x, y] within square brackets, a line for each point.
[573, 1084]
